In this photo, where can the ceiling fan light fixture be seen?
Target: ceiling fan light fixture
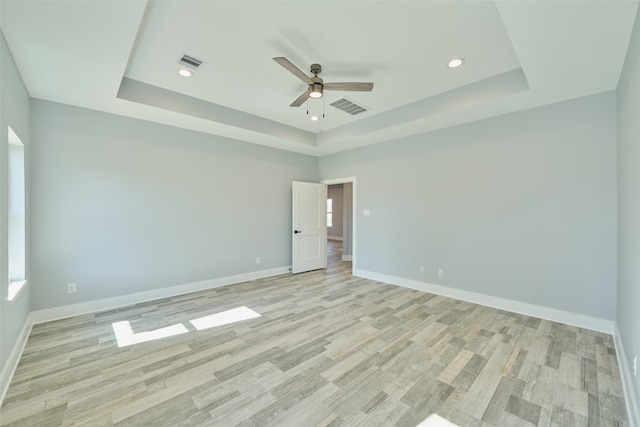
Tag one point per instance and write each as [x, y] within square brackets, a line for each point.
[315, 91]
[314, 118]
[455, 62]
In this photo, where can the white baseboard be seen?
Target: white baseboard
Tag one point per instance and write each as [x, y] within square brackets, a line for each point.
[56, 313]
[630, 398]
[347, 257]
[14, 358]
[555, 315]
[338, 238]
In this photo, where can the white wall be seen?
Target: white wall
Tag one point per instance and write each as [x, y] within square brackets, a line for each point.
[521, 207]
[14, 112]
[628, 95]
[121, 206]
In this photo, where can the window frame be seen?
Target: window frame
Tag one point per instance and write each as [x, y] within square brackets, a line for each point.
[17, 235]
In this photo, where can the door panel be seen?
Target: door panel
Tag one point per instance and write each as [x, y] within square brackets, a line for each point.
[309, 233]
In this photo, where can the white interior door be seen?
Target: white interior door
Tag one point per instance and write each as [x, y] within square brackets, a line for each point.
[309, 233]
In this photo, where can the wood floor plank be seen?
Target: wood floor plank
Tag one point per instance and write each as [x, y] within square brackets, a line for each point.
[328, 349]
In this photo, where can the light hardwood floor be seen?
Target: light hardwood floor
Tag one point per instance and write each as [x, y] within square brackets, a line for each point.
[329, 349]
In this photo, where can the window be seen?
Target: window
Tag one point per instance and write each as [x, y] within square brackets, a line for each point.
[17, 209]
[329, 212]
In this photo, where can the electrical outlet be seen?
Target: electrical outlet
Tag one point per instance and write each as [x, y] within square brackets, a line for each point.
[635, 366]
[258, 260]
[422, 269]
[71, 288]
[440, 272]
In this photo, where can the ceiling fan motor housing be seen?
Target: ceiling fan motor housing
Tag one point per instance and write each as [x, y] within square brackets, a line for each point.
[315, 90]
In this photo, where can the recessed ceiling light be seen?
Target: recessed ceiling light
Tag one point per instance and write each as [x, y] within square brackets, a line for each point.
[185, 73]
[455, 62]
[314, 118]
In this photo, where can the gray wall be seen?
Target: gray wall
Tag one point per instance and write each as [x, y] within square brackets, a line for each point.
[123, 206]
[334, 192]
[629, 204]
[14, 112]
[521, 206]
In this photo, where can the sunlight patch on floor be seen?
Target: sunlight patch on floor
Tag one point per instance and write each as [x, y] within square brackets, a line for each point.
[230, 316]
[125, 335]
[436, 420]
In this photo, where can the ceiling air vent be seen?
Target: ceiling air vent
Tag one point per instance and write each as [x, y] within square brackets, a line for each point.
[348, 106]
[190, 61]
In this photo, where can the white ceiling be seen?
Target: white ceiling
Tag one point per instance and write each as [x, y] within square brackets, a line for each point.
[121, 57]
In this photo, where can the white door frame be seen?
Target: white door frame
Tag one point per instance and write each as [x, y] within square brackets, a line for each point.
[352, 180]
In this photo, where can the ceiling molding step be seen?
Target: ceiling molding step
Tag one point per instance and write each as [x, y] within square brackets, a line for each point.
[479, 92]
[143, 93]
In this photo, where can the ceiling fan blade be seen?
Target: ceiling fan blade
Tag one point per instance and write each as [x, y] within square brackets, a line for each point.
[301, 99]
[355, 86]
[293, 69]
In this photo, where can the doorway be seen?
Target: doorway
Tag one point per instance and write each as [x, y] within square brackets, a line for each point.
[341, 224]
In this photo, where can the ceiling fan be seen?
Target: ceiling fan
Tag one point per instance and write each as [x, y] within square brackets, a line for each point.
[316, 86]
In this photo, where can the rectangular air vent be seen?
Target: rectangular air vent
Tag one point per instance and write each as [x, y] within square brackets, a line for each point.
[348, 106]
[190, 61]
